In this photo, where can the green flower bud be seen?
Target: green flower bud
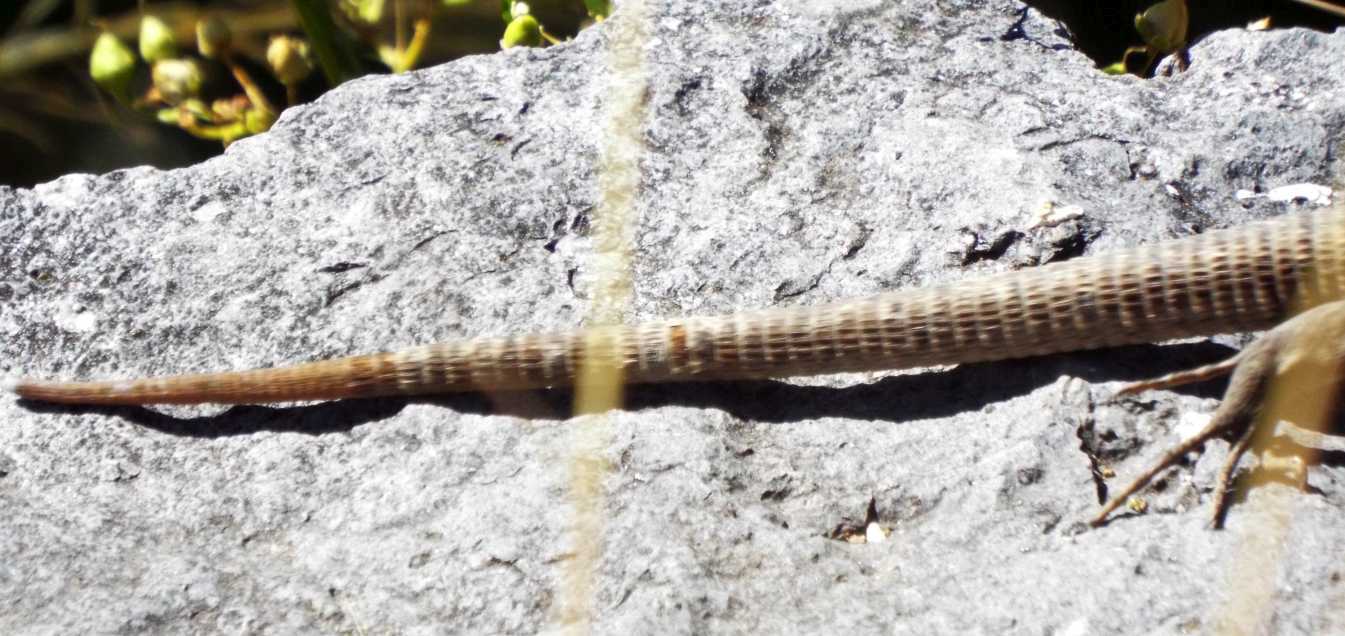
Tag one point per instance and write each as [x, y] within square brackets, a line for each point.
[257, 121]
[167, 116]
[1163, 25]
[1115, 68]
[598, 9]
[212, 37]
[177, 80]
[156, 40]
[112, 65]
[523, 31]
[369, 11]
[193, 108]
[289, 59]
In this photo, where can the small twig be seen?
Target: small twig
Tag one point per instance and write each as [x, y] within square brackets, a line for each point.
[254, 92]
[1324, 6]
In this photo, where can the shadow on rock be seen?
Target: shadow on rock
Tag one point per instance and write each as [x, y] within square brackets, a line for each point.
[315, 419]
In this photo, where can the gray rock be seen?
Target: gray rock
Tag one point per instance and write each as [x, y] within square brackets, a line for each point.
[797, 152]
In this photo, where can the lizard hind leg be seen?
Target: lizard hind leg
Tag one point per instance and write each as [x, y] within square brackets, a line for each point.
[1252, 370]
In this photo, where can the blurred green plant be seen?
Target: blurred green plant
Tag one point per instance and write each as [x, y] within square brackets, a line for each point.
[175, 93]
[112, 66]
[522, 28]
[1162, 27]
[343, 38]
[75, 91]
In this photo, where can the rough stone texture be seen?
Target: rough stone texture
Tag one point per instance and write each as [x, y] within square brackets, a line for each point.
[797, 152]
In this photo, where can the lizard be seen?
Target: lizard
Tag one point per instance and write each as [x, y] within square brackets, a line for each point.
[1247, 278]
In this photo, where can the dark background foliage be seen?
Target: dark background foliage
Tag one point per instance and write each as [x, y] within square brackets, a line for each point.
[54, 120]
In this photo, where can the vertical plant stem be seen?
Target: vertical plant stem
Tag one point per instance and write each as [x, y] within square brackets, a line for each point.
[334, 53]
[600, 384]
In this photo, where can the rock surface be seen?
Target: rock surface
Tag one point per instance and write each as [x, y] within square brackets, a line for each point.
[796, 152]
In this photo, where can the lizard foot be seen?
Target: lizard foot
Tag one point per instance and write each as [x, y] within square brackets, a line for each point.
[1289, 373]
[1219, 425]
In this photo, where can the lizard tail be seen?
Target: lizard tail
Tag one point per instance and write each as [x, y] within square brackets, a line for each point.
[295, 383]
[351, 377]
[489, 364]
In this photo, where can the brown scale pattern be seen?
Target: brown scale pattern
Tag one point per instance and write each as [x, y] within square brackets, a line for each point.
[1239, 279]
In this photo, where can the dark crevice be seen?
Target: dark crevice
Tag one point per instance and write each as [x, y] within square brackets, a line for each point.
[1018, 32]
[343, 266]
[1103, 31]
[982, 249]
